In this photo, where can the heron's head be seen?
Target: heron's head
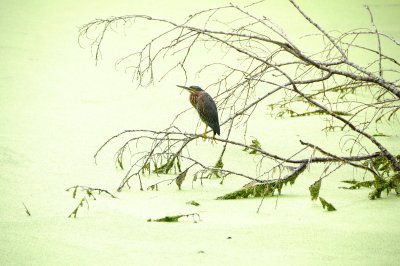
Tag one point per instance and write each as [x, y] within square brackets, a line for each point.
[191, 89]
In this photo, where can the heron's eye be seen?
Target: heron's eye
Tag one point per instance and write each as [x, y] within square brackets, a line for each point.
[196, 88]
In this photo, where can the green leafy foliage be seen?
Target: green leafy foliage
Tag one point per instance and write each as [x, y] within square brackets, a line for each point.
[329, 207]
[219, 164]
[119, 163]
[380, 135]
[314, 189]
[395, 183]
[381, 164]
[388, 184]
[254, 144]
[153, 187]
[215, 172]
[194, 203]
[256, 190]
[385, 177]
[179, 179]
[316, 112]
[166, 219]
[119, 159]
[88, 194]
[165, 168]
[74, 213]
[74, 192]
[146, 167]
[89, 191]
[358, 184]
[175, 218]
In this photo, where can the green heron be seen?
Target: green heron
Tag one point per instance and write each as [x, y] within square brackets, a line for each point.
[206, 108]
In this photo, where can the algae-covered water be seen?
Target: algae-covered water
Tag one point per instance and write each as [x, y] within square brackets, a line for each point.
[57, 107]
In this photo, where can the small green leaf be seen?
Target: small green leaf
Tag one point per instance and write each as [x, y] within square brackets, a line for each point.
[314, 189]
[326, 204]
[317, 112]
[178, 164]
[180, 178]
[253, 190]
[175, 218]
[119, 161]
[164, 169]
[219, 164]
[146, 167]
[194, 203]
[254, 144]
[358, 184]
[74, 192]
[215, 172]
[168, 219]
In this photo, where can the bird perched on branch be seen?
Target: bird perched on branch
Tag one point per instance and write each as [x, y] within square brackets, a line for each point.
[206, 108]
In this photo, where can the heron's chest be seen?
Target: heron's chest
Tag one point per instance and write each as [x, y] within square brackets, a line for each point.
[194, 98]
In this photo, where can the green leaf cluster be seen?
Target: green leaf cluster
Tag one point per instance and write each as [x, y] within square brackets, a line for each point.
[88, 194]
[179, 179]
[172, 162]
[385, 178]
[388, 184]
[316, 112]
[175, 218]
[254, 144]
[167, 219]
[215, 172]
[329, 207]
[194, 203]
[146, 167]
[381, 164]
[119, 158]
[74, 213]
[256, 190]
[314, 189]
[358, 184]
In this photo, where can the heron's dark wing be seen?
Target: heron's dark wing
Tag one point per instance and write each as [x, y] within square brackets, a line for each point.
[208, 111]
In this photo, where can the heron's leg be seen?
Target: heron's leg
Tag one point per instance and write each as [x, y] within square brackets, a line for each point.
[205, 133]
[213, 139]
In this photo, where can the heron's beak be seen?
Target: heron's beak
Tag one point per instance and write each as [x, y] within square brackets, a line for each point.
[184, 87]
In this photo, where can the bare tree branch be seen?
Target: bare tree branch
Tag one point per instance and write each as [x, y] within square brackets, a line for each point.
[259, 67]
